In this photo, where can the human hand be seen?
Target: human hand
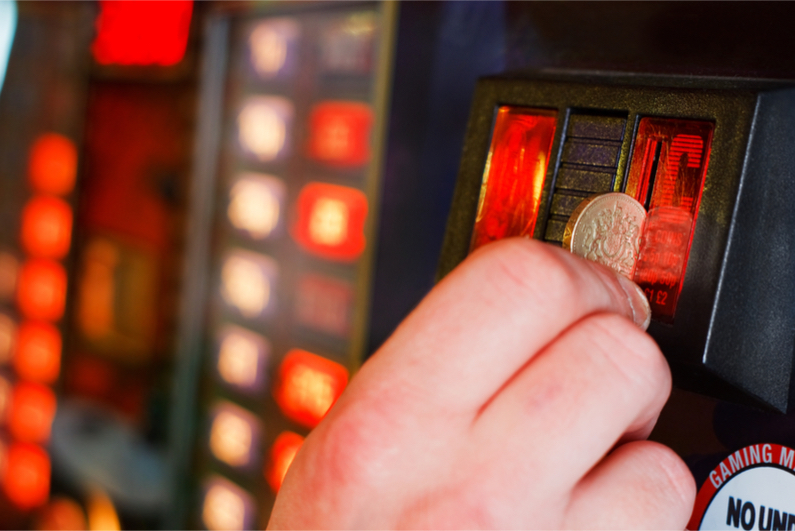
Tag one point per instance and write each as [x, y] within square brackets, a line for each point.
[518, 394]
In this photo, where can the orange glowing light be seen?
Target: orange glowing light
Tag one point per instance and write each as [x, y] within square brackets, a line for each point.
[330, 221]
[308, 386]
[32, 411]
[225, 507]
[41, 292]
[101, 512]
[52, 166]
[63, 514]
[513, 180]
[231, 436]
[339, 133]
[8, 334]
[282, 454]
[46, 227]
[9, 267]
[5, 397]
[26, 481]
[130, 32]
[38, 354]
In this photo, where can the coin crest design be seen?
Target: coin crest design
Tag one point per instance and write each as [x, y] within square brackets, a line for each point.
[607, 229]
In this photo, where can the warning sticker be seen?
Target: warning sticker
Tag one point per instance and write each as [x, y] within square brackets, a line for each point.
[753, 488]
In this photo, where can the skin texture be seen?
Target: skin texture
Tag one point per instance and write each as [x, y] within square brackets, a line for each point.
[518, 394]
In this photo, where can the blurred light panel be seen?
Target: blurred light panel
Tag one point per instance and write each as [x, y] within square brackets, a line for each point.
[8, 26]
[226, 506]
[6, 389]
[242, 358]
[97, 288]
[46, 227]
[9, 268]
[255, 204]
[324, 304]
[330, 221]
[347, 44]
[233, 435]
[131, 32]
[271, 44]
[308, 386]
[26, 481]
[263, 126]
[8, 334]
[339, 133]
[247, 281]
[38, 353]
[32, 411]
[62, 513]
[282, 454]
[41, 292]
[52, 165]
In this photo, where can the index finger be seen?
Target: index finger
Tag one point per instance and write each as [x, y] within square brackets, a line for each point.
[489, 317]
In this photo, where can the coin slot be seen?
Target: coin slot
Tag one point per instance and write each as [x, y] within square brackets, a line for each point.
[667, 172]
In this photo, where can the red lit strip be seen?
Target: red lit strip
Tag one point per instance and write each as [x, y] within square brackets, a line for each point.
[282, 454]
[514, 177]
[667, 173]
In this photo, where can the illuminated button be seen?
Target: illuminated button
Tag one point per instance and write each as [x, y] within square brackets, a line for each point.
[26, 480]
[38, 353]
[255, 204]
[324, 304]
[8, 334]
[52, 166]
[234, 435]
[330, 221]
[32, 411]
[46, 227]
[9, 268]
[62, 513]
[272, 46]
[339, 133]
[347, 44]
[263, 126]
[669, 163]
[6, 390]
[242, 358]
[41, 292]
[247, 283]
[308, 386]
[513, 180]
[226, 506]
[142, 33]
[282, 454]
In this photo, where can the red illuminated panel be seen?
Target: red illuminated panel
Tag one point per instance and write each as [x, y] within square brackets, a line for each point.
[130, 32]
[339, 133]
[330, 221]
[52, 166]
[308, 386]
[26, 480]
[38, 354]
[46, 227]
[667, 172]
[324, 304]
[514, 177]
[282, 453]
[32, 410]
[41, 291]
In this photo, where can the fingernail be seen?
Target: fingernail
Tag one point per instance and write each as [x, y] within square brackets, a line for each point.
[638, 303]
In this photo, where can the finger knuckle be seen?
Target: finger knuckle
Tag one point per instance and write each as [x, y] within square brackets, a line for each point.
[671, 474]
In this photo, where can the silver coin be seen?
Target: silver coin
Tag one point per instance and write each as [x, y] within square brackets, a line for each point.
[607, 229]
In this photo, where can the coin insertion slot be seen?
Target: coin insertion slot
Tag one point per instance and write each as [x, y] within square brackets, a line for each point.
[666, 173]
[513, 179]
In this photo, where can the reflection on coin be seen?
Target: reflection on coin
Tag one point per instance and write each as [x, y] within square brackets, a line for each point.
[606, 229]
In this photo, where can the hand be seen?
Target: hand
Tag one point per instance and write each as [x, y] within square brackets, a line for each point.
[518, 394]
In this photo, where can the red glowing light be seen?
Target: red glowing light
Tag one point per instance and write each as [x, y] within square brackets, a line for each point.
[514, 177]
[32, 410]
[131, 32]
[282, 454]
[52, 166]
[41, 291]
[46, 227]
[38, 354]
[339, 133]
[669, 163]
[26, 481]
[330, 221]
[308, 386]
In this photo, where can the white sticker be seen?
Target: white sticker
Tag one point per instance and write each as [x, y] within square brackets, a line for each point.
[753, 488]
